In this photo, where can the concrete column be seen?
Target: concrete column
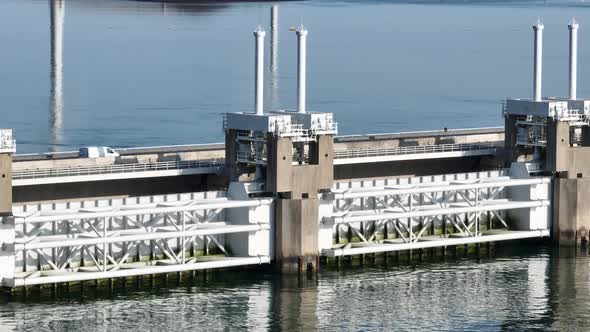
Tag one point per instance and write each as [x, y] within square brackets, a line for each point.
[297, 206]
[557, 157]
[321, 153]
[5, 184]
[7, 232]
[279, 167]
[297, 235]
[571, 211]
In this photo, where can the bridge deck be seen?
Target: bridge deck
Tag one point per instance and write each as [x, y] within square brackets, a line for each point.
[114, 172]
[29, 177]
[438, 151]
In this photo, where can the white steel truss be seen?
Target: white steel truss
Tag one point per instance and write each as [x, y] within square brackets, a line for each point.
[85, 244]
[427, 215]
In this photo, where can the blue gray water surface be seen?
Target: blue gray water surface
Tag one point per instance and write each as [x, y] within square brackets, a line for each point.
[134, 73]
[517, 289]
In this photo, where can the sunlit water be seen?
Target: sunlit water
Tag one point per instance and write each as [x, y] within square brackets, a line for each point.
[516, 289]
[132, 73]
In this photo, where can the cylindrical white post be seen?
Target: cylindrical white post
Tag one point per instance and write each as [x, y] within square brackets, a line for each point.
[57, 11]
[301, 67]
[259, 70]
[573, 27]
[538, 70]
[274, 48]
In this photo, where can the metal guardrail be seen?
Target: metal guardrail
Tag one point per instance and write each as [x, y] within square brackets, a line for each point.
[382, 152]
[192, 164]
[113, 169]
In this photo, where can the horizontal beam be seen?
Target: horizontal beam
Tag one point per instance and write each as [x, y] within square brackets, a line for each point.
[21, 182]
[74, 242]
[438, 187]
[438, 212]
[377, 248]
[413, 156]
[157, 210]
[130, 272]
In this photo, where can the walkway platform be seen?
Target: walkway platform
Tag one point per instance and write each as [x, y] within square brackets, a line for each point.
[114, 172]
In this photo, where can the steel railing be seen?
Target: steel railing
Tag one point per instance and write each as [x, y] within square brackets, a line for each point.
[382, 152]
[194, 164]
[113, 169]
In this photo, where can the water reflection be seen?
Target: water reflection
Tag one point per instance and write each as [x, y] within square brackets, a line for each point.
[57, 12]
[524, 288]
[294, 304]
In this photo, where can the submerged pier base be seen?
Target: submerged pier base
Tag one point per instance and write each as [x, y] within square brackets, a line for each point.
[297, 235]
[571, 212]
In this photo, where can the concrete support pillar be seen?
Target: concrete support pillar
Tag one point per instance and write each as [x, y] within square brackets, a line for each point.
[297, 208]
[571, 211]
[297, 235]
[5, 184]
[7, 232]
[558, 144]
[279, 166]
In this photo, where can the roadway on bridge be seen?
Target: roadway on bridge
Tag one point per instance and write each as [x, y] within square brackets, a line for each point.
[30, 177]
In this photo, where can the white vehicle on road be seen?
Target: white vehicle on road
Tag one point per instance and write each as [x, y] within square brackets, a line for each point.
[97, 152]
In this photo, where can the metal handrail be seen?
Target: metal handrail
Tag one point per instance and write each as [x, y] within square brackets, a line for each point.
[110, 169]
[361, 153]
[192, 164]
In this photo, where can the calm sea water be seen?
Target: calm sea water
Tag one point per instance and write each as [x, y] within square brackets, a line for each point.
[518, 289]
[135, 73]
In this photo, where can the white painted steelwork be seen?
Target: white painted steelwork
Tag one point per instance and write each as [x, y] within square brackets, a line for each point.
[379, 248]
[436, 151]
[438, 187]
[71, 241]
[573, 60]
[145, 269]
[538, 62]
[433, 212]
[7, 141]
[301, 67]
[259, 34]
[156, 209]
